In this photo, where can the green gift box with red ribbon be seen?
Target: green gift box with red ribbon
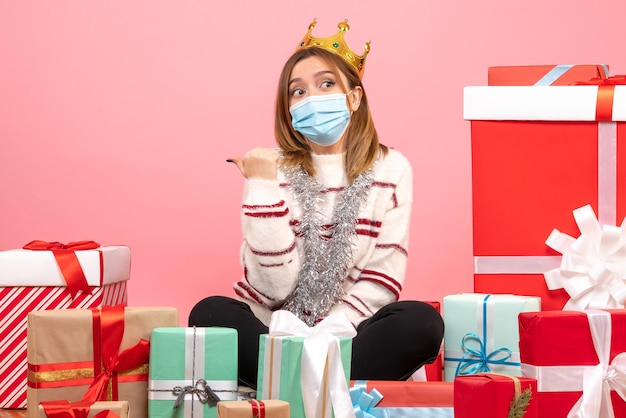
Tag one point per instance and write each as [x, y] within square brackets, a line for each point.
[91, 355]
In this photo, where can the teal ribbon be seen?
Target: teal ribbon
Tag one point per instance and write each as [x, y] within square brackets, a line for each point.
[478, 361]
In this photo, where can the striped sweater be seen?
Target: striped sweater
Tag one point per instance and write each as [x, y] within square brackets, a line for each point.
[271, 253]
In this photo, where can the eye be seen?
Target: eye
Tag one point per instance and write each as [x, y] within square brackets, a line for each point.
[297, 92]
[327, 84]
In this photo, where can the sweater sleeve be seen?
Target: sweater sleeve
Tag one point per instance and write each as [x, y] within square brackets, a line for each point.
[381, 278]
[268, 253]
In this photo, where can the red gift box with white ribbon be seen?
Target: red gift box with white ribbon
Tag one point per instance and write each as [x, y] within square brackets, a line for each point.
[538, 153]
[578, 359]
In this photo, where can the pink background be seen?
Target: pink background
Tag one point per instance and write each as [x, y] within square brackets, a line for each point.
[116, 118]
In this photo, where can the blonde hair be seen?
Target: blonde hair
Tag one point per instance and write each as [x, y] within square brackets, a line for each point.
[361, 139]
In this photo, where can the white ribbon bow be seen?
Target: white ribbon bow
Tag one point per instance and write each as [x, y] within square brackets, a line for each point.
[598, 380]
[320, 355]
[593, 266]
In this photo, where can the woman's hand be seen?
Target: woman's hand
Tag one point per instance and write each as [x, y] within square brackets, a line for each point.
[258, 162]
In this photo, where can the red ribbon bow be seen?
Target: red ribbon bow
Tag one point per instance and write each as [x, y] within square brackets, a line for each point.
[68, 262]
[108, 330]
[65, 409]
[606, 89]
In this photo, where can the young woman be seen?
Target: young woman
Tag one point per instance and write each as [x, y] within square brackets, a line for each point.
[325, 220]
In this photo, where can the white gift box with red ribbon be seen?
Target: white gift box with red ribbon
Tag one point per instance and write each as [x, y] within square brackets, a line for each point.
[32, 281]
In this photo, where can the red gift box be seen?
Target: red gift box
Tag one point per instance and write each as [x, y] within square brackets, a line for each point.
[544, 75]
[538, 153]
[432, 372]
[560, 350]
[410, 394]
[489, 395]
[33, 280]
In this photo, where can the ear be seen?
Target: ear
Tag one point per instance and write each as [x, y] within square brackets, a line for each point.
[354, 98]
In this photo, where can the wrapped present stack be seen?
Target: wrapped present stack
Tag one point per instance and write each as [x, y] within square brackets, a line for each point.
[545, 146]
[47, 276]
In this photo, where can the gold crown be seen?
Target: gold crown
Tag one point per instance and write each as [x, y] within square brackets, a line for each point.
[337, 45]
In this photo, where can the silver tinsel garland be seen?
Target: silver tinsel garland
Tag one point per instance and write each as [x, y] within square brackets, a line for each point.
[327, 250]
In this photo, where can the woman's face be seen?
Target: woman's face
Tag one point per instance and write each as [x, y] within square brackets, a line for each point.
[313, 76]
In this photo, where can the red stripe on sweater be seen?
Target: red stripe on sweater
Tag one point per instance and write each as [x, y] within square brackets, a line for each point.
[383, 284]
[362, 221]
[267, 214]
[383, 279]
[251, 292]
[396, 247]
[367, 233]
[243, 296]
[345, 302]
[274, 205]
[273, 253]
[363, 303]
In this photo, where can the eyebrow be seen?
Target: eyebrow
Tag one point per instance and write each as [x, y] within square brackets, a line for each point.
[317, 74]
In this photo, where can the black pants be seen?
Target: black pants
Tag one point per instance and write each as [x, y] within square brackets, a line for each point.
[391, 345]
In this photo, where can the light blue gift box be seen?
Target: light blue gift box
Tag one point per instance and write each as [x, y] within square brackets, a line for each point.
[189, 365]
[482, 333]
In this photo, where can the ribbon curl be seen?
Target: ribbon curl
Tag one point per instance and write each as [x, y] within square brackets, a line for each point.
[201, 389]
[593, 266]
[320, 356]
[65, 256]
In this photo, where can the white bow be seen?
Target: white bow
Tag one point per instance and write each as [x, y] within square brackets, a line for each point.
[320, 356]
[598, 380]
[593, 266]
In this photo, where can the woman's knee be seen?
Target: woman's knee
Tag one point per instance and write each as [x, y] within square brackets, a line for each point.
[211, 309]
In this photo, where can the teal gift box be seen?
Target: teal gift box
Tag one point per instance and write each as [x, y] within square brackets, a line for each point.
[188, 368]
[309, 367]
[482, 334]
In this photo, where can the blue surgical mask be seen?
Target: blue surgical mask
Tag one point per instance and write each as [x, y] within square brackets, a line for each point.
[321, 119]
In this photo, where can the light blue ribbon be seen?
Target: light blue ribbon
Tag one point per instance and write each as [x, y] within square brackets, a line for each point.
[552, 75]
[478, 361]
[556, 72]
[365, 406]
[363, 402]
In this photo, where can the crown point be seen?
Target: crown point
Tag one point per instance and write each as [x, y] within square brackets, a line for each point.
[344, 26]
